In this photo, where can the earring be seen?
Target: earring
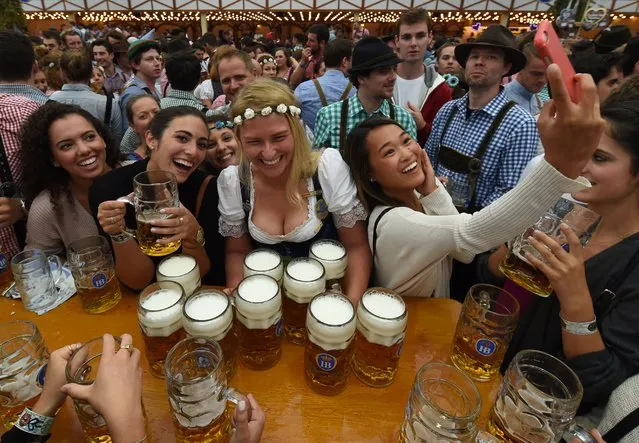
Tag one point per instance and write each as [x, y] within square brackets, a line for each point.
[372, 179]
[56, 165]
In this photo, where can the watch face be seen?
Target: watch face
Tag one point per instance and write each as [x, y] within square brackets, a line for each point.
[592, 326]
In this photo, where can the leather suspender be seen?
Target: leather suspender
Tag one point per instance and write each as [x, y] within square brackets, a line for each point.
[375, 230]
[346, 91]
[322, 97]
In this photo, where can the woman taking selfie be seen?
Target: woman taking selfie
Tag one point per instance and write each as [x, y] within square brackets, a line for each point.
[283, 196]
[413, 220]
[591, 320]
[178, 139]
[64, 150]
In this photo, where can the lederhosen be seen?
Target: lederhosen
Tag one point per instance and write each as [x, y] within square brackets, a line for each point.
[465, 275]
[287, 249]
[465, 164]
[344, 118]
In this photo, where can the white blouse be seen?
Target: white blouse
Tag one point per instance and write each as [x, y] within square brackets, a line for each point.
[205, 91]
[338, 191]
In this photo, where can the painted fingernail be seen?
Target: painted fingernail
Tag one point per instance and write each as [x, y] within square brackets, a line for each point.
[163, 211]
[241, 405]
[153, 230]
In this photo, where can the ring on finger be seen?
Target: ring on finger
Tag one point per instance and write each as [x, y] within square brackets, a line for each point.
[181, 220]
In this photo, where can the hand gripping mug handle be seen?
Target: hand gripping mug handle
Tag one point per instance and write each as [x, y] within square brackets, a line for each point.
[56, 268]
[579, 432]
[128, 199]
[235, 396]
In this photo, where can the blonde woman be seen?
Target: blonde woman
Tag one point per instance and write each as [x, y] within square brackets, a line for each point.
[269, 68]
[282, 195]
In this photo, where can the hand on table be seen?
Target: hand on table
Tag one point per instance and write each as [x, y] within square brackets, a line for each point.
[248, 431]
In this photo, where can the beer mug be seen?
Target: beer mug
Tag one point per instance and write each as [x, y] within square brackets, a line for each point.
[182, 269]
[82, 368]
[443, 406]
[381, 328]
[153, 191]
[91, 263]
[330, 324]
[160, 319]
[264, 261]
[23, 361]
[6, 277]
[484, 330]
[304, 279]
[537, 401]
[208, 313]
[517, 267]
[36, 275]
[459, 192]
[332, 255]
[201, 401]
[258, 305]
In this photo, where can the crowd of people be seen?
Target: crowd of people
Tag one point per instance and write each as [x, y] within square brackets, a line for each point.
[421, 155]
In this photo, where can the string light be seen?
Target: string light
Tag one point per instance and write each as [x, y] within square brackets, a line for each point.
[45, 16]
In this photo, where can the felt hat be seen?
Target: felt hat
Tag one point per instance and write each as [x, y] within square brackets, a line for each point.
[372, 53]
[139, 46]
[611, 38]
[495, 36]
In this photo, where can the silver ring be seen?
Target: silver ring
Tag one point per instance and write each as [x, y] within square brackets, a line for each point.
[126, 346]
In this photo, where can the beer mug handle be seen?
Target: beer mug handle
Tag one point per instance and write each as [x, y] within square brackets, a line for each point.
[579, 432]
[235, 396]
[56, 268]
[127, 199]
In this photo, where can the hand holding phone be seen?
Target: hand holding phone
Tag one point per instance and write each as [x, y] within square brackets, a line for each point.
[551, 51]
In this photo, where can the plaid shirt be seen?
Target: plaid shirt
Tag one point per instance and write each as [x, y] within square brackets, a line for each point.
[329, 119]
[181, 98]
[24, 90]
[14, 111]
[512, 146]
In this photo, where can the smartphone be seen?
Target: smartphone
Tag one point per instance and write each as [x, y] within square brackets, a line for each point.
[550, 50]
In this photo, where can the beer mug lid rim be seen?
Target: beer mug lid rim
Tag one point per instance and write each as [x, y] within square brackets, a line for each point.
[28, 323]
[509, 312]
[169, 177]
[332, 242]
[386, 292]
[472, 413]
[178, 347]
[337, 295]
[156, 287]
[306, 260]
[264, 250]
[27, 255]
[73, 378]
[203, 293]
[172, 257]
[276, 288]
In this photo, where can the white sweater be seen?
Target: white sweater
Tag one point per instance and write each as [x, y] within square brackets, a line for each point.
[414, 250]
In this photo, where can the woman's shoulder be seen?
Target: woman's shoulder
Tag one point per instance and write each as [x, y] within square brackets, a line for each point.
[229, 178]
[331, 164]
[42, 204]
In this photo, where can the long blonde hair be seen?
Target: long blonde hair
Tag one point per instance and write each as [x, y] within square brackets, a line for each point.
[263, 93]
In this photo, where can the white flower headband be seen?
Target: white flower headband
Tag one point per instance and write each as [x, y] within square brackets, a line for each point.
[281, 109]
[267, 60]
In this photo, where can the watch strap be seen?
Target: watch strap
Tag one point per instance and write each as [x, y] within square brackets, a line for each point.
[579, 328]
[34, 423]
[122, 237]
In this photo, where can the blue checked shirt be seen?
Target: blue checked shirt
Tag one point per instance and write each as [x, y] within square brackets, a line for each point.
[328, 123]
[513, 145]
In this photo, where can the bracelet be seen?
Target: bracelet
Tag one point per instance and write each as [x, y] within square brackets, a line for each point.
[122, 237]
[579, 327]
[34, 423]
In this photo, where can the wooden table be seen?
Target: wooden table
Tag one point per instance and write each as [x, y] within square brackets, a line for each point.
[294, 413]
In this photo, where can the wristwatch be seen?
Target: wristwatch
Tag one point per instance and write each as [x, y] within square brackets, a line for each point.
[579, 327]
[199, 237]
[122, 237]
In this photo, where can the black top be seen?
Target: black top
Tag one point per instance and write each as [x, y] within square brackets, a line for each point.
[15, 435]
[613, 281]
[119, 182]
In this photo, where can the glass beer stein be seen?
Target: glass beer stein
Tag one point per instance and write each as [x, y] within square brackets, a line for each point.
[258, 305]
[304, 279]
[36, 275]
[537, 401]
[381, 328]
[443, 407]
[6, 277]
[484, 330]
[160, 318]
[516, 266]
[182, 269]
[264, 261]
[200, 399]
[332, 255]
[153, 191]
[330, 324]
[91, 263]
[23, 360]
[209, 313]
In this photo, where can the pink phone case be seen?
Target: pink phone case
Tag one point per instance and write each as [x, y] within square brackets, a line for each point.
[550, 50]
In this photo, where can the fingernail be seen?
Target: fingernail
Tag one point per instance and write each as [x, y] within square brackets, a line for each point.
[241, 406]
[153, 230]
[162, 211]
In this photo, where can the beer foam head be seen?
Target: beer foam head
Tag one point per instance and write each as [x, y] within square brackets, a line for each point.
[332, 254]
[331, 321]
[177, 265]
[381, 312]
[304, 279]
[264, 261]
[208, 312]
[258, 297]
[161, 307]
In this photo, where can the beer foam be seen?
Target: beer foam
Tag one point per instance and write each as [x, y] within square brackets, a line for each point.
[182, 269]
[208, 314]
[258, 301]
[162, 314]
[332, 323]
[379, 317]
[262, 260]
[304, 279]
[332, 255]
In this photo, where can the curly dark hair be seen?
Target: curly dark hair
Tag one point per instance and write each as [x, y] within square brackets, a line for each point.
[40, 173]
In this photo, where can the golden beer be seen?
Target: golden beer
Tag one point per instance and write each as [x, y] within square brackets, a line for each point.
[525, 275]
[332, 255]
[219, 430]
[208, 313]
[304, 279]
[497, 429]
[330, 324]
[484, 329]
[6, 276]
[9, 415]
[93, 424]
[160, 319]
[381, 328]
[258, 306]
[96, 300]
[148, 240]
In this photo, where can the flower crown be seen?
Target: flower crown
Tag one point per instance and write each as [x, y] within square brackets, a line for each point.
[267, 60]
[281, 109]
[222, 125]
